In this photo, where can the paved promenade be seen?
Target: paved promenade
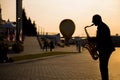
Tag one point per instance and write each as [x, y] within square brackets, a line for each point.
[76, 66]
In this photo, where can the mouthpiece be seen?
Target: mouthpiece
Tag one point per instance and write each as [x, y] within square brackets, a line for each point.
[89, 26]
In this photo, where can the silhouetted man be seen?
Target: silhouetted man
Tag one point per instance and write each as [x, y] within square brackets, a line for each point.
[104, 45]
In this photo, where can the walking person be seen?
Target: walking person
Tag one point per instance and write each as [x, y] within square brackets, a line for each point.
[78, 46]
[51, 45]
[104, 45]
[45, 45]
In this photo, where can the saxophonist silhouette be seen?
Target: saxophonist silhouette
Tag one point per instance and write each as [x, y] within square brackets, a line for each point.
[104, 45]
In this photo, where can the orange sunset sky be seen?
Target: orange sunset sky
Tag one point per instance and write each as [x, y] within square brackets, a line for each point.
[49, 13]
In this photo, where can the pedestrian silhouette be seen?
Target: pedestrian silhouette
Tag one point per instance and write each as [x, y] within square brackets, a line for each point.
[51, 45]
[104, 45]
[78, 46]
[45, 45]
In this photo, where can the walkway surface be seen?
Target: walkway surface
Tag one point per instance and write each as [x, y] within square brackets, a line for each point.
[76, 66]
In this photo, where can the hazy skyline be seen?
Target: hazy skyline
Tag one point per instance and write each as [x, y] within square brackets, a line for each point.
[49, 13]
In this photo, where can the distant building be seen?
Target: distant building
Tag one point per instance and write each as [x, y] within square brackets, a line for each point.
[55, 38]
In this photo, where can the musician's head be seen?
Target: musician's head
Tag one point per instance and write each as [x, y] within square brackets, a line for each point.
[96, 19]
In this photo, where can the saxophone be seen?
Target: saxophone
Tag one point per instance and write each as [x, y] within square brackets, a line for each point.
[90, 45]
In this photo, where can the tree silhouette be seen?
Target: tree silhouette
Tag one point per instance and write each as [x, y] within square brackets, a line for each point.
[29, 28]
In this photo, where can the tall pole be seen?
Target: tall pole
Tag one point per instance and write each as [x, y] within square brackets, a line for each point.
[0, 15]
[19, 20]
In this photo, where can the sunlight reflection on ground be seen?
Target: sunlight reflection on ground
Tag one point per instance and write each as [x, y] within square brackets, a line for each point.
[114, 64]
